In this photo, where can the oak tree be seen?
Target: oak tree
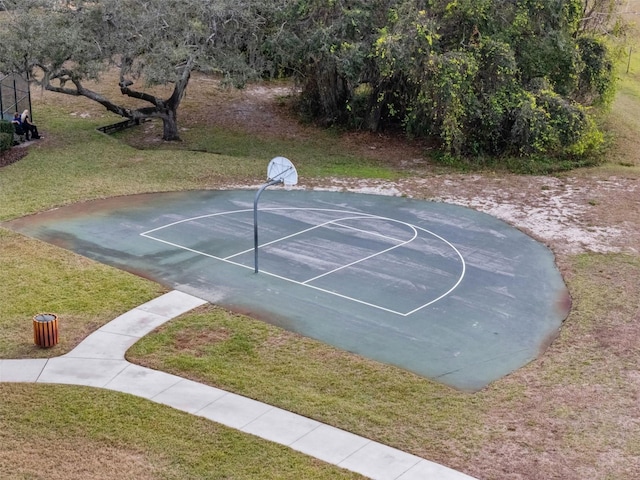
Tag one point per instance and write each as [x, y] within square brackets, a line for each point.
[63, 44]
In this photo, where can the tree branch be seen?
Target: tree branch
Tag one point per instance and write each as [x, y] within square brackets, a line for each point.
[125, 90]
[181, 84]
[80, 90]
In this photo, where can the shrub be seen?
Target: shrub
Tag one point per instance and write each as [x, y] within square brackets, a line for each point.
[475, 77]
[6, 127]
[6, 141]
[596, 82]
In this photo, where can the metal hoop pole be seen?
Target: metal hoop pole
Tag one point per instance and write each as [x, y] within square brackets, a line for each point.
[255, 221]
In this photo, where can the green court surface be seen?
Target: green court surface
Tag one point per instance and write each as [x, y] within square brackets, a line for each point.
[441, 290]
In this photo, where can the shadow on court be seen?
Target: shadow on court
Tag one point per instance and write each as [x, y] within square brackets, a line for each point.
[441, 290]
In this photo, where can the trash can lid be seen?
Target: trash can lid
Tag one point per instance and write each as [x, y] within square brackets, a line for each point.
[45, 317]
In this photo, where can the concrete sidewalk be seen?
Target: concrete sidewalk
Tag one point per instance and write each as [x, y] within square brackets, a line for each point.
[99, 362]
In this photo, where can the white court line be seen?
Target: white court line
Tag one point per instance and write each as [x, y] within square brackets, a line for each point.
[265, 272]
[415, 234]
[147, 233]
[368, 232]
[322, 225]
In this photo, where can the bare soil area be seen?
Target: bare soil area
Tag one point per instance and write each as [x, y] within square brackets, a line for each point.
[587, 210]
[12, 155]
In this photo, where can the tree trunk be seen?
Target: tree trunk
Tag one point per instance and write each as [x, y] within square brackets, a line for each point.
[170, 127]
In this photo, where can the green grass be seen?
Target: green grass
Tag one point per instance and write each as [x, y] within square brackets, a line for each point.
[261, 361]
[623, 127]
[406, 411]
[84, 164]
[318, 155]
[62, 432]
[80, 426]
[99, 166]
[532, 165]
[37, 277]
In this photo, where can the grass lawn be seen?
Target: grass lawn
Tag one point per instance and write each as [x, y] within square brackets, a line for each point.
[571, 414]
[63, 432]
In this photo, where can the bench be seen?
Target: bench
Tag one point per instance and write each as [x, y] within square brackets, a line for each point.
[116, 127]
[18, 137]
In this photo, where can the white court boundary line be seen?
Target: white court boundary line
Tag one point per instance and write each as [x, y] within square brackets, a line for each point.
[359, 215]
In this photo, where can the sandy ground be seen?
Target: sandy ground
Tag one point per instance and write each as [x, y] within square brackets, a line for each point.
[569, 214]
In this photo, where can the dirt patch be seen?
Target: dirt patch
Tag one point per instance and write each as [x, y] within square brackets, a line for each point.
[197, 343]
[589, 210]
[12, 156]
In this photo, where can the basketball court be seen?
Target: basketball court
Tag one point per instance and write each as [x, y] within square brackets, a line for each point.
[441, 290]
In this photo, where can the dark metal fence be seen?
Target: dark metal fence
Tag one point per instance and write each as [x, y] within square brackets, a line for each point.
[14, 95]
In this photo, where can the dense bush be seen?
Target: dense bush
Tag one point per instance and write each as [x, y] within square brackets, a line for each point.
[480, 77]
[6, 127]
[595, 80]
[6, 141]
[6, 135]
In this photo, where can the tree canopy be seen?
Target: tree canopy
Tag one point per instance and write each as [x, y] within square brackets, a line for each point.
[477, 76]
[62, 44]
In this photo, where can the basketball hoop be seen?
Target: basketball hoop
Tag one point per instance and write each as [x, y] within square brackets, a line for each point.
[279, 170]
